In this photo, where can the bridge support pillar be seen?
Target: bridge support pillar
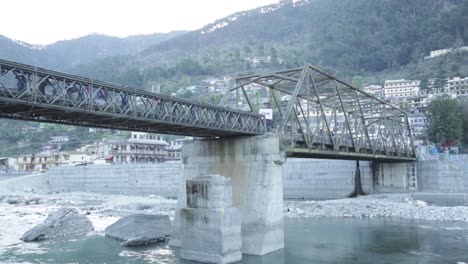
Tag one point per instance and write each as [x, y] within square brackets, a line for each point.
[255, 167]
[395, 177]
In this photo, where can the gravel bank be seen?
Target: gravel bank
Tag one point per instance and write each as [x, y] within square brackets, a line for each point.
[376, 206]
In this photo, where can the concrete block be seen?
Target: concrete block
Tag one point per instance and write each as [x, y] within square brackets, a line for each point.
[211, 235]
[209, 191]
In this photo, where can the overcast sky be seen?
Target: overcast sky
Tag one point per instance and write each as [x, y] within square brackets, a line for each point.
[47, 21]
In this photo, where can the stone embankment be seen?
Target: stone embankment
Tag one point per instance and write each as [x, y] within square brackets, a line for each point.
[376, 206]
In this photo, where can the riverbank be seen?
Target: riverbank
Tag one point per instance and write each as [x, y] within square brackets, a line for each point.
[376, 206]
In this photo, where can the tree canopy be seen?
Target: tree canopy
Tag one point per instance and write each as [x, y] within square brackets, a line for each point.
[445, 121]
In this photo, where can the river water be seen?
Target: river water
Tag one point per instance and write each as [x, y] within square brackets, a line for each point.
[307, 240]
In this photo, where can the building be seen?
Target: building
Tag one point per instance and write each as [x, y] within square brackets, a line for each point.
[417, 123]
[139, 148]
[375, 90]
[59, 139]
[441, 52]
[40, 162]
[437, 53]
[7, 164]
[457, 86]
[432, 87]
[415, 102]
[174, 150]
[401, 88]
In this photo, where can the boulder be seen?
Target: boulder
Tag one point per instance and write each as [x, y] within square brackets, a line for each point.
[14, 200]
[140, 229]
[144, 240]
[61, 223]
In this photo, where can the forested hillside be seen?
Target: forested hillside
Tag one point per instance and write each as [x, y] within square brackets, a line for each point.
[348, 37]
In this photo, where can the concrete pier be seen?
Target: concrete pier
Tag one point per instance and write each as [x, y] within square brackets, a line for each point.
[255, 167]
[211, 227]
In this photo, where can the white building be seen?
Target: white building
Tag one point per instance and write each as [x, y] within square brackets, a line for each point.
[139, 148]
[437, 53]
[59, 139]
[417, 123]
[174, 150]
[441, 52]
[401, 88]
[41, 162]
[375, 90]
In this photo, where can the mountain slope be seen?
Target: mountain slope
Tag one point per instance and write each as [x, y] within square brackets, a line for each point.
[66, 54]
[346, 37]
[369, 35]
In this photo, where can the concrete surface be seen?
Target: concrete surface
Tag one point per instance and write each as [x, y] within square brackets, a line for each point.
[210, 226]
[255, 167]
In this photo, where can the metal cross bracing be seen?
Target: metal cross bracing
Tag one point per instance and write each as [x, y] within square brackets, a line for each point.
[322, 116]
[36, 94]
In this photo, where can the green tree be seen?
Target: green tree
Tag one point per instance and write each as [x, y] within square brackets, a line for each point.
[445, 121]
[464, 114]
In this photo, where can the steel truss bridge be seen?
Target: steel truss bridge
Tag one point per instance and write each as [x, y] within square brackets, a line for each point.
[317, 115]
[36, 94]
[322, 116]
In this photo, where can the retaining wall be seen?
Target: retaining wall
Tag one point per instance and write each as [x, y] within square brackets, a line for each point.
[302, 178]
[443, 175]
[138, 179]
[323, 179]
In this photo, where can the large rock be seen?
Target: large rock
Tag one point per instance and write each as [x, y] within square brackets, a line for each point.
[140, 229]
[61, 223]
[144, 240]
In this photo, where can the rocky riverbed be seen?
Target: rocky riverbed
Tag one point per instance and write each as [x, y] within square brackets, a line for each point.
[21, 210]
[23, 207]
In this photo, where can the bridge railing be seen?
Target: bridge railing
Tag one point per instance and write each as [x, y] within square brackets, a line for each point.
[33, 86]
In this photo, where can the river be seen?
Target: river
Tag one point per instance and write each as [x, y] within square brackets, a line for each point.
[307, 240]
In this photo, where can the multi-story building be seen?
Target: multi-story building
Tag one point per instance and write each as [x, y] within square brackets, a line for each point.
[415, 102]
[38, 162]
[139, 148]
[457, 86]
[417, 123]
[401, 88]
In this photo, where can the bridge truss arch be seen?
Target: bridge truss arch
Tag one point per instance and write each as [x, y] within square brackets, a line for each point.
[322, 116]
